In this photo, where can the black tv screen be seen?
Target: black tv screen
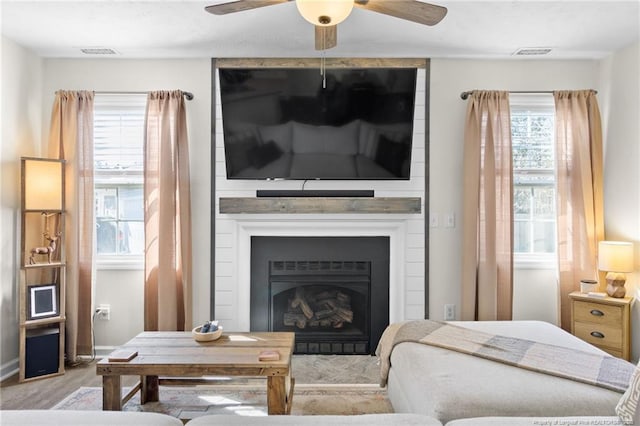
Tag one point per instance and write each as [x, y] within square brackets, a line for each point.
[294, 123]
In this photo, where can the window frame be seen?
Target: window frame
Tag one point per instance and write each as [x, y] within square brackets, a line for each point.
[118, 179]
[543, 103]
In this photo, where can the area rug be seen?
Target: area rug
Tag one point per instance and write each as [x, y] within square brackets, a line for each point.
[189, 402]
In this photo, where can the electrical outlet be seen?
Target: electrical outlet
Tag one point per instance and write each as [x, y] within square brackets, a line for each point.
[449, 312]
[104, 312]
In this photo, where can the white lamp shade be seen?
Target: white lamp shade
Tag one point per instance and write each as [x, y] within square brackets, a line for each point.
[324, 13]
[42, 184]
[615, 256]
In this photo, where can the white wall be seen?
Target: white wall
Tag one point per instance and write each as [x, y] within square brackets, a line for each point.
[120, 288]
[620, 107]
[448, 79]
[535, 295]
[20, 120]
[127, 315]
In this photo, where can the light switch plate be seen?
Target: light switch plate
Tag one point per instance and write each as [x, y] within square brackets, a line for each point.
[433, 220]
[450, 220]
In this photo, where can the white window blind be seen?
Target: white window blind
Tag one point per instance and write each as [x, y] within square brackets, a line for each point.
[118, 134]
[118, 168]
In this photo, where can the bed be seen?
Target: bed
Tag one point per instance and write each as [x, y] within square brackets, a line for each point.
[449, 385]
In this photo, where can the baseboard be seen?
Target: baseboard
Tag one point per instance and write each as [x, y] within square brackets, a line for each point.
[9, 369]
[102, 351]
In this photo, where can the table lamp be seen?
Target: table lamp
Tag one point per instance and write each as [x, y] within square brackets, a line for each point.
[616, 258]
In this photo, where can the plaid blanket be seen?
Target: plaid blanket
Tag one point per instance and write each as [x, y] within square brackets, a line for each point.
[599, 370]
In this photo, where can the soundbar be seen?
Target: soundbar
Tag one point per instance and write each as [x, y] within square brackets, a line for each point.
[314, 193]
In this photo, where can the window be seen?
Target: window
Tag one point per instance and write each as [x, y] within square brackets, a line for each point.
[534, 210]
[118, 168]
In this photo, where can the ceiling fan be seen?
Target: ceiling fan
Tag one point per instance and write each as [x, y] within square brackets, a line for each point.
[327, 14]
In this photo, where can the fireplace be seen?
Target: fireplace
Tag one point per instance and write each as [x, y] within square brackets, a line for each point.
[333, 292]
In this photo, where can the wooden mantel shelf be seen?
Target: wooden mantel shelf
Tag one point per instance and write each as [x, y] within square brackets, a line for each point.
[326, 205]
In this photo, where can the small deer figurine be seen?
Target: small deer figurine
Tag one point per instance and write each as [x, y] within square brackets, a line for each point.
[45, 250]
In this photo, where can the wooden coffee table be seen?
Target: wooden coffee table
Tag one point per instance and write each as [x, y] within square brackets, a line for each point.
[175, 354]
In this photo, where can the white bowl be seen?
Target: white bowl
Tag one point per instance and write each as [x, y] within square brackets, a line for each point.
[588, 285]
[206, 337]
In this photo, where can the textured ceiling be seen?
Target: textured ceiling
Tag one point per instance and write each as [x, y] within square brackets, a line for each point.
[182, 29]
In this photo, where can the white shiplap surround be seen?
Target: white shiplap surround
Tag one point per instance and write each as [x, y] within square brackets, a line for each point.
[405, 231]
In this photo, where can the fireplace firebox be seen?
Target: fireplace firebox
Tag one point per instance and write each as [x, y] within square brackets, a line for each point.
[333, 292]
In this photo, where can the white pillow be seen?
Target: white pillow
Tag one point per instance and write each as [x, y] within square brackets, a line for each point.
[627, 408]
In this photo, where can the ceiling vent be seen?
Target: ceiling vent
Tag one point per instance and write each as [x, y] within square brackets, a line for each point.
[532, 51]
[98, 51]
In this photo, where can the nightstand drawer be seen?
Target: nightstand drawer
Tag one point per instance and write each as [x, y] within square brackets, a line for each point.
[599, 335]
[613, 352]
[597, 313]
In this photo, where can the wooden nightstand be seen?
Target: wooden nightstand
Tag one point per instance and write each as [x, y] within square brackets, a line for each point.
[605, 323]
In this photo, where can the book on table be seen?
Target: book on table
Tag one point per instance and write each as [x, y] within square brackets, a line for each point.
[122, 355]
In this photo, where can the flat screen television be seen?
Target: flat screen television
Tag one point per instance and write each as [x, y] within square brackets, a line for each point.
[294, 123]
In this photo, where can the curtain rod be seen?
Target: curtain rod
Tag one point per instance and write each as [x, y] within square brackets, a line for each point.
[187, 95]
[465, 95]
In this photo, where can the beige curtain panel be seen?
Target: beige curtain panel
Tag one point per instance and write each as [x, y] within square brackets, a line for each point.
[487, 259]
[167, 214]
[71, 139]
[580, 219]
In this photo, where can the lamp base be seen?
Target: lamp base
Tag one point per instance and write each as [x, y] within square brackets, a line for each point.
[615, 284]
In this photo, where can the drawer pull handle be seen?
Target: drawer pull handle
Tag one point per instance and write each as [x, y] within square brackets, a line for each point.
[597, 334]
[597, 313]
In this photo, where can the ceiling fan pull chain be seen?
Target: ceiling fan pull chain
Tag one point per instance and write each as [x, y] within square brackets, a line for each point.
[323, 63]
[324, 72]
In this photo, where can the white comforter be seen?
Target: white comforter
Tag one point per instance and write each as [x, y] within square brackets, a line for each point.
[450, 385]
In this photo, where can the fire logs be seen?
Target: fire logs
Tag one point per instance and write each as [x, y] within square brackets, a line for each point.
[325, 308]
[299, 301]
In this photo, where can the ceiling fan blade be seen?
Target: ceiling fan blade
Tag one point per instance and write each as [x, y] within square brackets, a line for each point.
[240, 5]
[326, 37]
[410, 10]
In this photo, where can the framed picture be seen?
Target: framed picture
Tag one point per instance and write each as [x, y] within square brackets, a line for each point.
[43, 301]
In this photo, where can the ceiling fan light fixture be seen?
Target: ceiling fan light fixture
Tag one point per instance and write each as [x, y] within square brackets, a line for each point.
[324, 12]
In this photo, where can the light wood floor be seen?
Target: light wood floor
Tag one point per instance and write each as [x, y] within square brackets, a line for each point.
[45, 393]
